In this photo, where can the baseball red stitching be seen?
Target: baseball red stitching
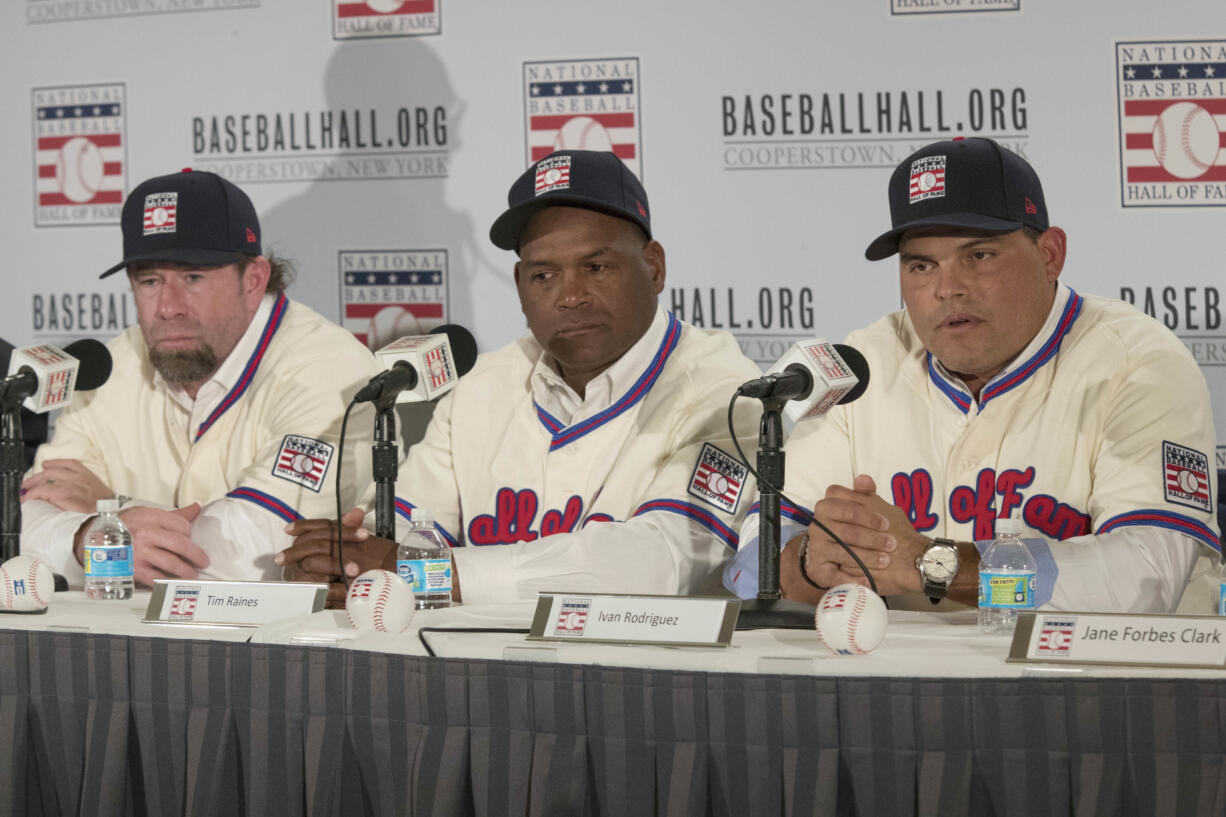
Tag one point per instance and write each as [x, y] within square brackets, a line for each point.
[379, 605]
[855, 617]
[33, 581]
[1186, 130]
[8, 588]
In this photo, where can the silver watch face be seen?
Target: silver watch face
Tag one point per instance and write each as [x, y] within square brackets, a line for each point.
[939, 564]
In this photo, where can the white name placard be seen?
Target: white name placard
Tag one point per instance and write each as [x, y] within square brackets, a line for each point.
[232, 604]
[1120, 638]
[690, 621]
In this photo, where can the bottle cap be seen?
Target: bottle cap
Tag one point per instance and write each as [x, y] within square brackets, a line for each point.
[108, 505]
[1007, 524]
[422, 515]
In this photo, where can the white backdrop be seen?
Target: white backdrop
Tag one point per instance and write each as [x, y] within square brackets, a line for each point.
[378, 140]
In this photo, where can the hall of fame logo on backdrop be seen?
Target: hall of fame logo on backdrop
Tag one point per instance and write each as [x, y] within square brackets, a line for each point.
[950, 6]
[354, 19]
[63, 11]
[388, 294]
[80, 139]
[584, 105]
[1172, 122]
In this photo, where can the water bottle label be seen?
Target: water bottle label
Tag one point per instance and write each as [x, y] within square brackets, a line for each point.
[1221, 603]
[1007, 590]
[426, 575]
[108, 562]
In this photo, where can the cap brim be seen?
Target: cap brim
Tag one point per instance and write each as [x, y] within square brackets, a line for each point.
[196, 258]
[886, 244]
[507, 228]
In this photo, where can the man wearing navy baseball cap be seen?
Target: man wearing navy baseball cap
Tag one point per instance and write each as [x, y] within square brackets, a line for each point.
[220, 420]
[1001, 392]
[594, 453]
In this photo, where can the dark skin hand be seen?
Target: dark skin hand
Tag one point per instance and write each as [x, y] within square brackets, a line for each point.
[313, 555]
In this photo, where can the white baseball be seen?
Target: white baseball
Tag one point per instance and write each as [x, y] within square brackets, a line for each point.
[379, 600]
[1186, 140]
[582, 133]
[79, 169]
[851, 620]
[28, 584]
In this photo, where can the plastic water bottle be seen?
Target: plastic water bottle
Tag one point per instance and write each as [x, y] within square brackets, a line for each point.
[423, 560]
[108, 555]
[1006, 579]
[1221, 597]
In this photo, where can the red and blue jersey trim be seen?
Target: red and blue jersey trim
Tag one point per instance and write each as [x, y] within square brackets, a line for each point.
[563, 436]
[266, 501]
[1046, 352]
[796, 514]
[404, 509]
[1014, 378]
[700, 515]
[280, 305]
[1164, 519]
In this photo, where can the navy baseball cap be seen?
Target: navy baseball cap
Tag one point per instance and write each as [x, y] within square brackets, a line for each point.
[590, 179]
[973, 183]
[193, 217]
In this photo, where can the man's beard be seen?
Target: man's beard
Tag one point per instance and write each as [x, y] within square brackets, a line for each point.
[183, 366]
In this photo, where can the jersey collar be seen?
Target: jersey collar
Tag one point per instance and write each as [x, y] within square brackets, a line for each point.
[1064, 312]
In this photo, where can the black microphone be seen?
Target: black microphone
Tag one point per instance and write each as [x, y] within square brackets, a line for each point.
[816, 374]
[421, 367]
[45, 376]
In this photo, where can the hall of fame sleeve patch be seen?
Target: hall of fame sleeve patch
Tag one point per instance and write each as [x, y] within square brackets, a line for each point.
[1185, 476]
[718, 478]
[303, 460]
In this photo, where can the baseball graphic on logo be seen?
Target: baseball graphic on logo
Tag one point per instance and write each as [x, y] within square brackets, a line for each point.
[718, 483]
[384, 6]
[389, 323]
[159, 216]
[302, 464]
[927, 181]
[1189, 482]
[79, 169]
[581, 133]
[1186, 140]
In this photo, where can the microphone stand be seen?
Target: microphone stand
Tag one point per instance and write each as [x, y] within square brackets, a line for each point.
[385, 467]
[12, 469]
[770, 609]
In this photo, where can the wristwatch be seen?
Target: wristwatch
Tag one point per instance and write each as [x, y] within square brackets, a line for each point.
[937, 566]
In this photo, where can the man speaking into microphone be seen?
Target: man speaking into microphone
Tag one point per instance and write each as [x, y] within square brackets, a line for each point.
[594, 453]
[220, 420]
[1000, 392]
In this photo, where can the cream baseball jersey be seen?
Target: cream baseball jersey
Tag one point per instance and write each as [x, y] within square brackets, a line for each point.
[497, 469]
[1101, 425]
[271, 440]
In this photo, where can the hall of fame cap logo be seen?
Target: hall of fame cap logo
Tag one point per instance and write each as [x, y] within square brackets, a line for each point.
[1185, 474]
[303, 460]
[80, 137]
[354, 19]
[161, 211]
[584, 105]
[927, 179]
[1172, 121]
[718, 478]
[552, 174]
[183, 603]
[388, 294]
[1056, 636]
[572, 618]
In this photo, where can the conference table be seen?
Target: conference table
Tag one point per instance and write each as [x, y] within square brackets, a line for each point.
[107, 715]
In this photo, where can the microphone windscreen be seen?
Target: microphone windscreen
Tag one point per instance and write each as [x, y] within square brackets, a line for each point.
[463, 346]
[95, 363]
[859, 367]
